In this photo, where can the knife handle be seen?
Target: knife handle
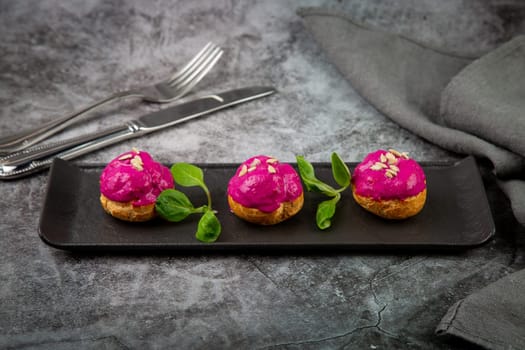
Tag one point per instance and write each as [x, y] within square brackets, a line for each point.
[28, 138]
[34, 159]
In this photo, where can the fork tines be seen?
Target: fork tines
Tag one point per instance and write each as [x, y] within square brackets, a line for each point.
[197, 68]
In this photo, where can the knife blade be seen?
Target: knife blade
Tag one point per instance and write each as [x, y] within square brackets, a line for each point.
[34, 159]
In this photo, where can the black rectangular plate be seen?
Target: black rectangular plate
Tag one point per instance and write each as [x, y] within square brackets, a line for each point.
[456, 215]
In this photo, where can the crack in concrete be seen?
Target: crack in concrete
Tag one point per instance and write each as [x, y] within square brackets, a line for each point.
[72, 341]
[395, 272]
[374, 278]
[278, 286]
[338, 336]
[263, 273]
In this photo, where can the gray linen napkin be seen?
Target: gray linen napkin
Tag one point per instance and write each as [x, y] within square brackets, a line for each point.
[466, 105]
[504, 329]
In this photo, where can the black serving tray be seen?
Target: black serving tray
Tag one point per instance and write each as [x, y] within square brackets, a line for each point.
[456, 215]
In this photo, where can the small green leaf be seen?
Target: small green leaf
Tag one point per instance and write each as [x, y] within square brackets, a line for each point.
[174, 205]
[312, 183]
[325, 212]
[340, 171]
[319, 186]
[209, 228]
[187, 175]
[306, 170]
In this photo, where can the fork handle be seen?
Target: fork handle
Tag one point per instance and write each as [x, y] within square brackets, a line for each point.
[30, 137]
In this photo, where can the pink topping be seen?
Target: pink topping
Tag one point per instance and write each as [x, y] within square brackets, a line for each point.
[135, 177]
[262, 182]
[388, 175]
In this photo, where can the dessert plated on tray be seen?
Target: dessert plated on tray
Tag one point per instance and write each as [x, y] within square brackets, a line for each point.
[441, 224]
[265, 191]
[130, 185]
[389, 184]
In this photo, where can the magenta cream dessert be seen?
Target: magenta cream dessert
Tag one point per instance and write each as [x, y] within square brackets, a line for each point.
[389, 184]
[131, 183]
[265, 191]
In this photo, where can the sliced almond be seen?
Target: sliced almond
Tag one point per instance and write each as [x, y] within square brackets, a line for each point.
[394, 152]
[391, 172]
[137, 163]
[399, 154]
[244, 170]
[125, 156]
[382, 158]
[378, 166]
[391, 158]
[271, 169]
[394, 167]
[271, 160]
[255, 163]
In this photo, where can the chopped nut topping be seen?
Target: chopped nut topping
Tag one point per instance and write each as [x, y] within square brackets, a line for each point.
[394, 152]
[135, 149]
[390, 172]
[388, 163]
[125, 156]
[244, 170]
[394, 168]
[136, 162]
[255, 162]
[271, 169]
[252, 168]
[399, 154]
[391, 158]
[378, 166]
[271, 160]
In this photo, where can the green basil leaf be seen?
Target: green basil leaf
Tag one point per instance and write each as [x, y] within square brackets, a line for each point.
[187, 175]
[325, 212]
[209, 228]
[173, 205]
[340, 171]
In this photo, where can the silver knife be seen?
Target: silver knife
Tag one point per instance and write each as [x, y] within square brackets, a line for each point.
[34, 159]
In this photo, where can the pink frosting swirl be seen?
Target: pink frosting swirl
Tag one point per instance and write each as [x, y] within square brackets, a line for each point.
[264, 183]
[135, 177]
[371, 177]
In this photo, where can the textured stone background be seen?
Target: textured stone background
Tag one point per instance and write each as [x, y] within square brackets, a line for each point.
[57, 56]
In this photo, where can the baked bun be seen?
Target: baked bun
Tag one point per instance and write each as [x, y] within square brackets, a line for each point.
[390, 185]
[264, 191]
[130, 185]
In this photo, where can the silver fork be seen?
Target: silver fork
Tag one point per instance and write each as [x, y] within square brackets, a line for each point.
[178, 85]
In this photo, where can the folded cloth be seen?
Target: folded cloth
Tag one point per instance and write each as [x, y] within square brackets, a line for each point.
[487, 98]
[466, 105]
[426, 91]
[490, 318]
